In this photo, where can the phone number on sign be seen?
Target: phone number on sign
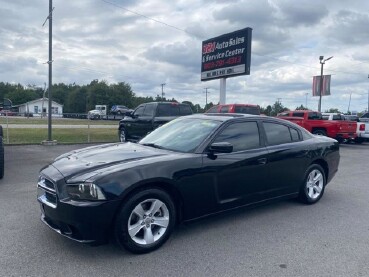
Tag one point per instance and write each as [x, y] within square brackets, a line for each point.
[222, 62]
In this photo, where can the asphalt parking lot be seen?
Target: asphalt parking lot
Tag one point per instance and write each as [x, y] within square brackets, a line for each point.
[330, 238]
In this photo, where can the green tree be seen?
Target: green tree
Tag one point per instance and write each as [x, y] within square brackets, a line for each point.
[277, 108]
[333, 110]
[301, 107]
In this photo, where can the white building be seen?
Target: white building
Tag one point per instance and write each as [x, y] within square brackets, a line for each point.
[39, 107]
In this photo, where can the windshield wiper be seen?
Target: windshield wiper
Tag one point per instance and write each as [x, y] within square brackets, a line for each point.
[152, 145]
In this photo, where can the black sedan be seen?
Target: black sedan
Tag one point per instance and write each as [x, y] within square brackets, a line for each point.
[189, 168]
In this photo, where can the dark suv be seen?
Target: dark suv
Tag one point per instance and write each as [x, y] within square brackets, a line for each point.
[147, 117]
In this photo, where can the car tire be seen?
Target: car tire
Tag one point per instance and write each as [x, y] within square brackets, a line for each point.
[320, 132]
[359, 140]
[2, 164]
[313, 185]
[145, 221]
[122, 135]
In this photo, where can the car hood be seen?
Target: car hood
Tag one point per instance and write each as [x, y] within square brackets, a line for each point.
[90, 161]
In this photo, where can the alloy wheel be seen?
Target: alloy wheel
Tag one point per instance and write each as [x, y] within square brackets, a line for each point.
[314, 184]
[148, 221]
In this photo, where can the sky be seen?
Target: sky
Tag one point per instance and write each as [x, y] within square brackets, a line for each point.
[147, 43]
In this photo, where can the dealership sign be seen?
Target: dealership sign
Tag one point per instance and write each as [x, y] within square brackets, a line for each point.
[326, 86]
[227, 55]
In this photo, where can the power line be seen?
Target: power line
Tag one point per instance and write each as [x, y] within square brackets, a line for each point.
[144, 16]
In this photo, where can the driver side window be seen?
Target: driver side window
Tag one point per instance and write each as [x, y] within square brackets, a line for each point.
[242, 135]
[139, 111]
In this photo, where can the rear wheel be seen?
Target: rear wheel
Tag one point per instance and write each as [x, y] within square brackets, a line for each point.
[320, 132]
[145, 221]
[313, 185]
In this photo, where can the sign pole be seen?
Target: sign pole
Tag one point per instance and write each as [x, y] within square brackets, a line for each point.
[222, 95]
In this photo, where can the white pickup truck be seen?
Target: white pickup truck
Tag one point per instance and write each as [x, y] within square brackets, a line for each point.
[98, 113]
[362, 127]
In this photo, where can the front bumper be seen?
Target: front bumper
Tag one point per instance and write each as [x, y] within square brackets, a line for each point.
[86, 222]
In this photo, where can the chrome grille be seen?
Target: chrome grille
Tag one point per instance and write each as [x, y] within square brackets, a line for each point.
[46, 192]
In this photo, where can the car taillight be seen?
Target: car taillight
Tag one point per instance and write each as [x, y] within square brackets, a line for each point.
[362, 127]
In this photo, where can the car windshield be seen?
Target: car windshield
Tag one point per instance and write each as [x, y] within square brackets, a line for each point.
[182, 134]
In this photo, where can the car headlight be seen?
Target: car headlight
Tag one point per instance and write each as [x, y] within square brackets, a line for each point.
[85, 191]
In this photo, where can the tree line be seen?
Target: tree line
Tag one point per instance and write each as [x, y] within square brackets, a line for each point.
[82, 98]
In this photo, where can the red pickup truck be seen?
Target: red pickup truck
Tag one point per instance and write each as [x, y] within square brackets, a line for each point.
[314, 123]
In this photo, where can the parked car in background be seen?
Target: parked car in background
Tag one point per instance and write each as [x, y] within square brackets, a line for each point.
[313, 122]
[235, 108]
[352, 117]
[147, 117]
[362, 129]
[191, 167]
[8, 113]
[119, 110]
[364, 117]
[2, 162]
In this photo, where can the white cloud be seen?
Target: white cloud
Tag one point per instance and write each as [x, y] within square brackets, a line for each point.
[146, 43]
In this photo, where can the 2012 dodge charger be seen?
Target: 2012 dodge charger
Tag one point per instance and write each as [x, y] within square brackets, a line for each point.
[189, 168]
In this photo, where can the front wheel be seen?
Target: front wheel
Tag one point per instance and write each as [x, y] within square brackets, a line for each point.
[145, 221]
[313, 185]
[122, 135]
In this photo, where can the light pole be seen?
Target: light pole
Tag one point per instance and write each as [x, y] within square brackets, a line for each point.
[162, 91]
[322, 62]
[206, 97]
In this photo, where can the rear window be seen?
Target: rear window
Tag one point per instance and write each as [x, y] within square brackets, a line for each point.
[224, 109]
[314, 115]
[213, 109]
[298, 114]
[247, 110]
[185, 110]
[168, 110]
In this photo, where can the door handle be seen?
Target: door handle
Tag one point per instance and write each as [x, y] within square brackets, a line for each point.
[262, 161]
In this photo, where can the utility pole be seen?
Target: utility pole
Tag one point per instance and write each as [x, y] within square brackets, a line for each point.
[162, 91]
[49, 62]
[348, 109]
[206, 97]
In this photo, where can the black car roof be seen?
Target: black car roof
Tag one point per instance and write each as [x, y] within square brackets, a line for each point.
[231, 116]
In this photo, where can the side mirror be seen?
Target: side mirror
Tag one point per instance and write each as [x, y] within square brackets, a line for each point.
[221, 147]
[129, 113]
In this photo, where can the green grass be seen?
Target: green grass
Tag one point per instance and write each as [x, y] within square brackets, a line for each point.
[36, 136]
[57, 121]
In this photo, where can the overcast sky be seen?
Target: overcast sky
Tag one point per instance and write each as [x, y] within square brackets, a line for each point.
[147, 43]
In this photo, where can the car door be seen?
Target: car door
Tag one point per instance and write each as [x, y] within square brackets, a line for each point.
[133, 124]
[287, 158]
[239, 177]
[141, 122]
